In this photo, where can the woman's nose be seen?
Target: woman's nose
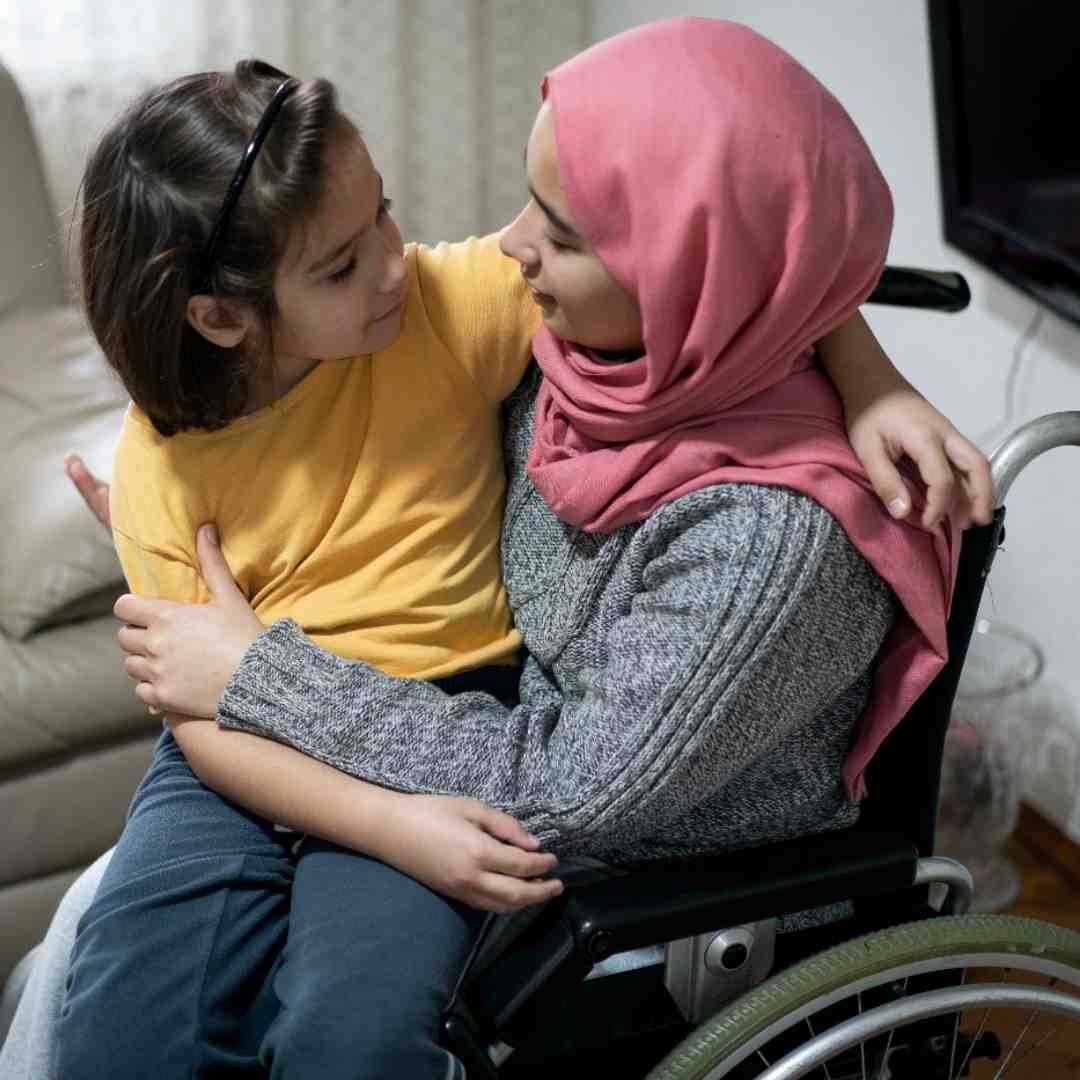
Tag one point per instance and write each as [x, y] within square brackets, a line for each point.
[514, 242]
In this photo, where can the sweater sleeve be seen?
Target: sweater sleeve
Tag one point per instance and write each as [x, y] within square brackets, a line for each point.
[738, 636]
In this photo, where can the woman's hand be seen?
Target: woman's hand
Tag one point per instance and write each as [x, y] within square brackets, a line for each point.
[902, 423]
[95, 492]
[182, 656]
[467, 850]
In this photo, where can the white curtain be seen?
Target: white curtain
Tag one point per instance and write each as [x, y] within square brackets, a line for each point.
[443, 91]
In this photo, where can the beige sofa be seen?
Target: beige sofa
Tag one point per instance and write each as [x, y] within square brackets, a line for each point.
[73, 740]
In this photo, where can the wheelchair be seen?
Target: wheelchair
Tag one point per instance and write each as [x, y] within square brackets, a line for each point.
[628, 975]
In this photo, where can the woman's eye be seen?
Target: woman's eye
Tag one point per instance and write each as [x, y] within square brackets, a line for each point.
[558, 245]
[385, 207]
[344, 273]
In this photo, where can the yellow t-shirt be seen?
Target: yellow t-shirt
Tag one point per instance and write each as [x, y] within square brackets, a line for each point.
[366, 503]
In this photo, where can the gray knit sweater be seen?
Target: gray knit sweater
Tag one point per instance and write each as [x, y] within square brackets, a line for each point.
[692, 682]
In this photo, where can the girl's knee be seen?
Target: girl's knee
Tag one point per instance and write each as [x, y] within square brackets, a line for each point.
[366, 1046]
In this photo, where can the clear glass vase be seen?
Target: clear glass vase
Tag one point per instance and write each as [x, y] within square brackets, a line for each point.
[984, 756]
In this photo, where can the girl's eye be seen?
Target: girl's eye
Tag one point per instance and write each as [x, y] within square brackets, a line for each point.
[385, 207]
[344, 273]
[558, 245]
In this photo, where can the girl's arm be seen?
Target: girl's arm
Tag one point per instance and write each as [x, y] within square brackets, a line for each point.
[458, 847]
[888, 419]
[689, 688]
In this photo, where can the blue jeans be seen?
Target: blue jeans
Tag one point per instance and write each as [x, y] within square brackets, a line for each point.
[211, 949]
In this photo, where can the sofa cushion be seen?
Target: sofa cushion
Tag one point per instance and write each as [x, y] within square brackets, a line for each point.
[64, 691]
[31, 238]
[56, 395]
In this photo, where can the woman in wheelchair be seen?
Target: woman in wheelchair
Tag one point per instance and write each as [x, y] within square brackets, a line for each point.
[722, 621]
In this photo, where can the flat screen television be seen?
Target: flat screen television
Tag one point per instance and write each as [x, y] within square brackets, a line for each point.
[1007, 95]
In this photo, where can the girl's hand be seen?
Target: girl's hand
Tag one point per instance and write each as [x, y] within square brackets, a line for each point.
[903, 423]
[95, 492]
[467, 850]
[183, 655]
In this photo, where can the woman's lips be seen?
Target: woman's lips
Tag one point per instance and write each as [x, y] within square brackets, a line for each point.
[543, 299]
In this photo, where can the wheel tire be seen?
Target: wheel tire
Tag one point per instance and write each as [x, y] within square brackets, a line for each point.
[720, 1038]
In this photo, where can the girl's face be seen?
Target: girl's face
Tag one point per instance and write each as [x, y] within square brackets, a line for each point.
[340, 289]
[579, 300]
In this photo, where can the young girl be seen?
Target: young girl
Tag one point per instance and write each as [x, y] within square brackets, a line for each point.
[360, 496]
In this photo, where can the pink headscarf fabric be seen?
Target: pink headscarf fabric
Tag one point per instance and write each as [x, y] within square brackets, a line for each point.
[732, 195]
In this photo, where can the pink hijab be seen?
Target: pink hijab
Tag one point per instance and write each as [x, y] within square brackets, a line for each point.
[732, 195]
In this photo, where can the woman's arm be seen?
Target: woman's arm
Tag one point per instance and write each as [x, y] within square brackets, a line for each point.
[458, 847]
[888, 419]
[755, 616]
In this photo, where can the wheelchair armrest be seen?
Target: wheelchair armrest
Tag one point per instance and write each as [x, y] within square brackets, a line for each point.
[666, 901]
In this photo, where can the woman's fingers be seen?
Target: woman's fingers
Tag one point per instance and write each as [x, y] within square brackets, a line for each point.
[139, 610]
[213, 567]
[138, 668]
[95, 492]
[146, 693]
[133, 640]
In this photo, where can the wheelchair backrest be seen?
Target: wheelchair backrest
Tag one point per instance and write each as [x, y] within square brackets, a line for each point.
[904, 776]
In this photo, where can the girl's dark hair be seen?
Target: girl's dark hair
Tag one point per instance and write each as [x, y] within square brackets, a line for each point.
[150, 196]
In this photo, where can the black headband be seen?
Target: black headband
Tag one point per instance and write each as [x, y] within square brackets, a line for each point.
[202, 281]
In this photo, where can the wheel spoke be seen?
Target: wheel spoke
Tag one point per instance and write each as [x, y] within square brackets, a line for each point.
[1005, 1065]
[1012, 1049]
[971, 1046]
[869, 994]
[862, 1046]
[888, 1042]
[956, 1031]
[1036, 1046]
[824, 1066]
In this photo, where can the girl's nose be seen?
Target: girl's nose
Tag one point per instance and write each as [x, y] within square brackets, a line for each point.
[394, 274]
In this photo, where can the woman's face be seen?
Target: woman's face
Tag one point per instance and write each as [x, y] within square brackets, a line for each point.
[579, 300]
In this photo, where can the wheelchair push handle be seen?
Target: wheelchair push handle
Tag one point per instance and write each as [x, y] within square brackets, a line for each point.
[902, 286]
[1026, 443]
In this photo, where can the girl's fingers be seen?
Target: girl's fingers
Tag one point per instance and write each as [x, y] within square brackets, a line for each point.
[887, 482]
[504, 827]
[512, 861]
[494, 892]
[975, 474]
[936, 472]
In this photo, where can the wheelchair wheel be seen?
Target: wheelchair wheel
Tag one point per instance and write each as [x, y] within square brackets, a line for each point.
[972, 995]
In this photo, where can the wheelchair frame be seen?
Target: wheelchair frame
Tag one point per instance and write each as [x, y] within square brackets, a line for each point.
[537, 1006]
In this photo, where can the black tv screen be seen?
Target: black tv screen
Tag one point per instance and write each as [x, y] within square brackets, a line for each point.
[1007, 94]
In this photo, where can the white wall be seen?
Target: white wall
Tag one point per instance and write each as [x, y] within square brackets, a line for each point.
[875, 58]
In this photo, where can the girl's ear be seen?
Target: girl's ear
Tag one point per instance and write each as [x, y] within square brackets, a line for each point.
[223, 323]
